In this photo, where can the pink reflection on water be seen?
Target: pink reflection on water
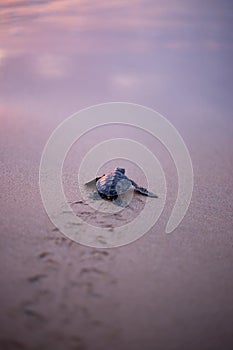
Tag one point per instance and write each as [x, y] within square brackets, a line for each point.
[70, 54]
[80, 26]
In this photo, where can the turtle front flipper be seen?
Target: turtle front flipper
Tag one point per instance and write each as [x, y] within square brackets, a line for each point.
[91, 182]
[143, 190]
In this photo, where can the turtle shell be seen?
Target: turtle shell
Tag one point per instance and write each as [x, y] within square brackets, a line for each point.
[114, 183]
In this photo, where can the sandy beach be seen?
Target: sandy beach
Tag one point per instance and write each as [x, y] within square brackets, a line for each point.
[163, 291]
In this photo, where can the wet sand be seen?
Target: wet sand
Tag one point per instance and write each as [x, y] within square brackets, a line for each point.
[162, 291]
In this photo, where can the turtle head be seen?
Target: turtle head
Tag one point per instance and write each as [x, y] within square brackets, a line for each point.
[122, 170]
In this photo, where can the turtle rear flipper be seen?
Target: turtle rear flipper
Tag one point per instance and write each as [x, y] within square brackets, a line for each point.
[118, 201]
[95, 196]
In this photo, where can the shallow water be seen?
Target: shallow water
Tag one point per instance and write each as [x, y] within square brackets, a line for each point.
[57, 57]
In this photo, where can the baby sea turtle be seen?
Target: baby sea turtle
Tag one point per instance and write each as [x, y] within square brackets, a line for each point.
[114, 183]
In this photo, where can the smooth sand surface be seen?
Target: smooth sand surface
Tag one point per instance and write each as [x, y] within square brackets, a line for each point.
[163, 292]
